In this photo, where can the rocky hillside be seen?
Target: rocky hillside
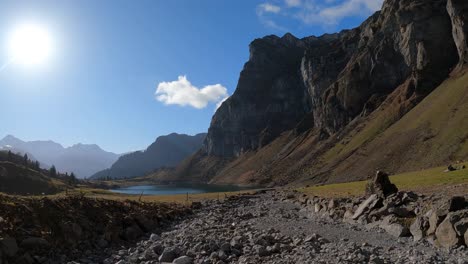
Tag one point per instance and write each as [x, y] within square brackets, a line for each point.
[320, 109]
[82, 159]
[23, 177]
[57, 230]
[166, 151]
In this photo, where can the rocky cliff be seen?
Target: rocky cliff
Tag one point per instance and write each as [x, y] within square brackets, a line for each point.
[319, 90]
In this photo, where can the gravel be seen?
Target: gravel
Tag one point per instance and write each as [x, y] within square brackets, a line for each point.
[267, 228]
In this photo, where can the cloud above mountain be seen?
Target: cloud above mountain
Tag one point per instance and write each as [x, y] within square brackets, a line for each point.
[183, 93]
[314, 12]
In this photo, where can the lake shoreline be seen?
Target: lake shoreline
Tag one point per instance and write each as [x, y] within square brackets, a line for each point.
[177, 189]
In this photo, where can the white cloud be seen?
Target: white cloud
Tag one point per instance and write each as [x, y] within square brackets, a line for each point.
[183, 93]
[332, 13]
[316, 12]
[293, 3]
[335, 13]
[268, 8]
[264, 11]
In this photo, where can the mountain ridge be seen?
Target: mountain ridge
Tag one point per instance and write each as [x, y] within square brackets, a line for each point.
[81, 159]
[304, 98]
[166, 151]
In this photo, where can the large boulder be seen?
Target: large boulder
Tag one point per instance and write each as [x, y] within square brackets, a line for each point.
[381, 185]
[453, 204]
[441, 209]
[391, 226]
[419, 227]
[435, 218]
[450, 233]
[396, 230]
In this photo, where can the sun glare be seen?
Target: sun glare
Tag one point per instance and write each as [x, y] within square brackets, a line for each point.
[29, 44]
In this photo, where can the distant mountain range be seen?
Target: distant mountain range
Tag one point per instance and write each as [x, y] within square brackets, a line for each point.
[166, 151]
[81, 159]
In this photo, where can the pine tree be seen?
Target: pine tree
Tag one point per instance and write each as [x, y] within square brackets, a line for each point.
[53, 171]
[25, 159]
[73, 178]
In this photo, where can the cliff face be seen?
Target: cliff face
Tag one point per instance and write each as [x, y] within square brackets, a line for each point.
[310, 93]
[458, 11]
[333, 77]
[270, 98]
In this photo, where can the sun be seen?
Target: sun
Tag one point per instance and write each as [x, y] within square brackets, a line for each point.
[29, 44]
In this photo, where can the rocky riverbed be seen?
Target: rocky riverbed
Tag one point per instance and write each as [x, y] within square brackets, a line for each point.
[277, 227]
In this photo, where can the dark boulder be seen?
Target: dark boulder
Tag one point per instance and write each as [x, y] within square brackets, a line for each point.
[381, 185]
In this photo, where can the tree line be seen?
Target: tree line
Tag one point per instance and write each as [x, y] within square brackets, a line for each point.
[25, 161]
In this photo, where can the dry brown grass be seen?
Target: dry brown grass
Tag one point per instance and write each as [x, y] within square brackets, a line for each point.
[178, 198]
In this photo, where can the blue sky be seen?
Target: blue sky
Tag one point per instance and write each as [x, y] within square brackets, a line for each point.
[111, 56]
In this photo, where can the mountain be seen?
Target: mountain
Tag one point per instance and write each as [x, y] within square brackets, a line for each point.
[389, 94]
[83, 160]
[166, 151]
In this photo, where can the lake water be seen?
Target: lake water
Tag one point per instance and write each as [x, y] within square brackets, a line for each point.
[176, 189]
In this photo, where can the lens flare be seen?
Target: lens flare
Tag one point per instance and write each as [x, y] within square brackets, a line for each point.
[29, 44]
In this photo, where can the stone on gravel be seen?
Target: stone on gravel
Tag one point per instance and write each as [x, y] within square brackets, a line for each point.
[447, 235]
[155, 237]
[236, 242]
[381, 185]
[262, 251]
[395, 229]
[317, 208]
[372, 202]
[278, 231]
[466, 238]
[168, 255]
[419, 227]
[8, 246]
[226, 247]
[435, 218]
[183, 260]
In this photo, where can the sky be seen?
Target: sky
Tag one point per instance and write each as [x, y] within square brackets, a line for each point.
[121, 73]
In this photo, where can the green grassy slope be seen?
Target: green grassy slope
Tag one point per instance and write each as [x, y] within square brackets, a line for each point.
[433, 133]
[430, 179]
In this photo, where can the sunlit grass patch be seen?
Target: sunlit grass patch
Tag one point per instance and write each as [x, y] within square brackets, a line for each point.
[410, 181]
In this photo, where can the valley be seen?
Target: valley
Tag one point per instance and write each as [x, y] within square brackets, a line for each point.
[346, 147]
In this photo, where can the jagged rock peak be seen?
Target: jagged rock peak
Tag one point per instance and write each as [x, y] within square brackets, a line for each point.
[331, 78]
[458, 11]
